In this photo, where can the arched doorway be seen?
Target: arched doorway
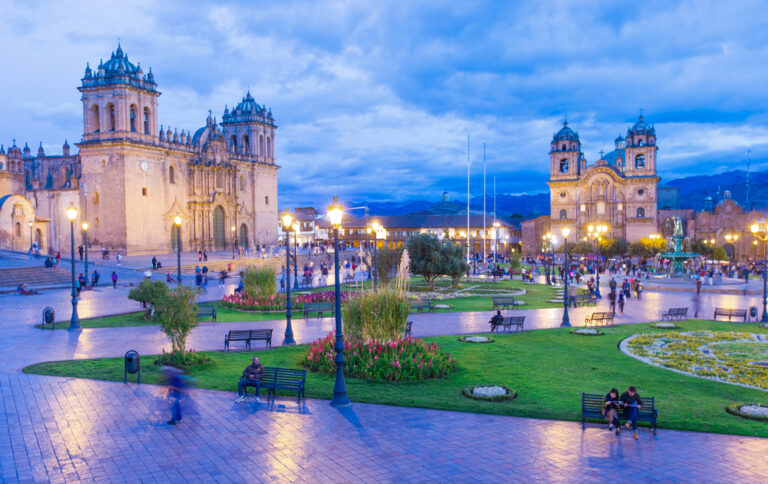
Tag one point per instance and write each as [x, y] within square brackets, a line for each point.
[243, 236]
[219, 232]
[174, 237]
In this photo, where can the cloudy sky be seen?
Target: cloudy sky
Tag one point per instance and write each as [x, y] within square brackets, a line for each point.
[374, 100]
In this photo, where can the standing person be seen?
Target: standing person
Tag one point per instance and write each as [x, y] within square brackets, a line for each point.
[205, 255]
[632, 404]
[612, 284]
[154, 262]
[58, 258]
[252, 376]
[199, 256]
[114, 280]
[612, 301]
[698, 286]
[95, 279]
[118, 257]
[80, 251]
[621, 302]
[625, 288]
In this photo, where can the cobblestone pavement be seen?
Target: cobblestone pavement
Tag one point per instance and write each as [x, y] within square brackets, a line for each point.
[69, 430]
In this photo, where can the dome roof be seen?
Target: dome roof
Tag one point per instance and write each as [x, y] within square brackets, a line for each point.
[119, 63]
[566, 133]
[620, 139]
[119, 70]
[641, 127]
[248, 105]
[248, 110]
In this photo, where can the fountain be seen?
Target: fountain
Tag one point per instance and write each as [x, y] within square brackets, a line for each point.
[677, 257]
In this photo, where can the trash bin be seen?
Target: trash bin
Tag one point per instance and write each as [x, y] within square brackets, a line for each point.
[753, 313]
[48, 317]
[132, 365]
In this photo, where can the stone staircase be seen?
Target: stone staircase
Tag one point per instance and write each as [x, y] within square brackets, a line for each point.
[35, 277]
[214, 266]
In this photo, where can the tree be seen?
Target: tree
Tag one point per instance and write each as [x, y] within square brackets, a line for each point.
[178, 317]
[719, 254]
[431, 258]
[614, 247]
[388, 260]
[151, 295]
[456, 266]
[514, 263]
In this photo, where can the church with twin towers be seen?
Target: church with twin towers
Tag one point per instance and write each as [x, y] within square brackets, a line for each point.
[132, 177]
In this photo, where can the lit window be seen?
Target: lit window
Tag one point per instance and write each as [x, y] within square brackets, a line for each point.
[144, 191]
[641, 212]
[266, 200]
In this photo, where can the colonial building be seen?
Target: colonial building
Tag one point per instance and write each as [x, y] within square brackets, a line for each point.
[619, 189]
[131, 178]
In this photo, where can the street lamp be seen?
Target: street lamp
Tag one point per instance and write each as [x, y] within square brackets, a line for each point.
[295, 228]
[30, 238]
[496, 226]
[548, 240]
[85, 243]
[234, 241]
[596, 232]
[376, 230]
[177, 222]
[74, 322]
[760, 231]
[566, 323]
[340, 398]
[287, 227]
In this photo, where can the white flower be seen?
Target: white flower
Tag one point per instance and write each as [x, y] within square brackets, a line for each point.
[586, 331]
[755, 410]
[489, 391]
[665, 325]
[477, 339]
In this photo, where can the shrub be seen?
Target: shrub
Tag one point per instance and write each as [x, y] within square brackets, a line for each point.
[151, 295]
[185, 360]
[276, 302]
[259, 282]
[379, 315]
[402, 359]
[178, 317]
[387, 261]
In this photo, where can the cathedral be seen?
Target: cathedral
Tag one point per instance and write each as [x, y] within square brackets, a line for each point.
[619, 189]
[131, 179]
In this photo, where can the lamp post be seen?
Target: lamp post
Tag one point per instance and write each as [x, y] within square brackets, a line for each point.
[177, 221]
[596, 233]
[760, 231]
[566, 323]
[340, 398]
[30, 238]
[496, 226]
[234, 241]
[74, 322]
[376, 230]
[287, 227]
[85, 244]
[548, 241]
[732, 238]
[295, 228]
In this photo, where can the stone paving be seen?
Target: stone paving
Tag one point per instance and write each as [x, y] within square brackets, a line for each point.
[70, 430]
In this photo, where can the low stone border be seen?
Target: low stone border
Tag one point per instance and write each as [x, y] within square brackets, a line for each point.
[510, 395]
[665, 325]
[587, 332]
[735, 409]
[468, 339]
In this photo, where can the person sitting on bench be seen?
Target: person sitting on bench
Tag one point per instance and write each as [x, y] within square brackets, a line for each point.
[252, 376]
[632, 403]
[611, 410]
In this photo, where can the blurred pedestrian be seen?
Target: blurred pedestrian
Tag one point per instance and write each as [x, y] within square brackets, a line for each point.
[114, 280]
[176, 388]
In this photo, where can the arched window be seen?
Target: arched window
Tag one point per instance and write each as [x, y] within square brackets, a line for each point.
[96, 126]
[18, 229]
[563, 147]
[133, 118]
[95, 198]
[146, 120]
[233, 143]
[261, 145]
[641, 212]
[563, 214]
[640, 161]
[601, 208]
[269, 147]
[171, 175]
[564, 165]
[111, 111]
[245, 144]
[639, 142]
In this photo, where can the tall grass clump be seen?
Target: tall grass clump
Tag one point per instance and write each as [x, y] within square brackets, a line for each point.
[260, 282]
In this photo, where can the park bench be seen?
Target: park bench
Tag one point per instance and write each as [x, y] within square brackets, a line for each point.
[731, 313]
[317, 308]
[508, 324]
[248, 335]
[206, 311]
[283, 379]
[421, 305]
[600, 319]
[504, 302]
[592, 407]
[407, 330]
[349, 278]
[675, 314]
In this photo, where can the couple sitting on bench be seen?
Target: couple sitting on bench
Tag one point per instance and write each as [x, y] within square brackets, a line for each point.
[629, 401]
[252, 376]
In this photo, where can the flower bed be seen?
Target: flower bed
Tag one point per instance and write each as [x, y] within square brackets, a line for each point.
[475, 339]
[587, 332]
[276, 302]
[490, 393]
[665, 325]
[400, 360]
[730, 357]
[752, 411]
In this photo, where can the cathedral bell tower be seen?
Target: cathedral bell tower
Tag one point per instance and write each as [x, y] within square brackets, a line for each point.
[565, 155]
[640, 150]
[119, 101]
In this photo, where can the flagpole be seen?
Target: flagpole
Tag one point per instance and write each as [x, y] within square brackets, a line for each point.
[485, 255]
[468, 201]
[495, 230]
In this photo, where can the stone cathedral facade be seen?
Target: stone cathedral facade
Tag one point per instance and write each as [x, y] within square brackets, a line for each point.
[132, 177]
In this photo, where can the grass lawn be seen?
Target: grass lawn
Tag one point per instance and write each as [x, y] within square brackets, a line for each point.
[549, 369]
[537, 296]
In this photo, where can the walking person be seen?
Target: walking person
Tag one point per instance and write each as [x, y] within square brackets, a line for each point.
[205, 255]
[80, 251]
[612, 301]
[114, 280]
[176, 389]
[621, 302]
[58, 258]
[199, 256]
[154, 262]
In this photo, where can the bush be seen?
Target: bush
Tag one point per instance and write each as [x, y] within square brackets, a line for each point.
[387, 262]
[378, 316]
[276, 302]
[402, 359]
[178, 317]
[185, 360]
[151, 295]
[259, 282]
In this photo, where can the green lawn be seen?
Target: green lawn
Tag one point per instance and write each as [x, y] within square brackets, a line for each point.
[549, 369]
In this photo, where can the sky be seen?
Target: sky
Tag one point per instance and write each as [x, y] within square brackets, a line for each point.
[375, 100]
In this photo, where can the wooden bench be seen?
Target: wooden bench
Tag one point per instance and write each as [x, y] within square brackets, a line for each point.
[317, 308]
[248, 335]
[600, 319]
[592, 407]
[421, 305]
[508, 325]
[731, 313]
[206, 311]
[407, 330]
[675, 314]
[349, 278]
[504, 302]
[284, 379]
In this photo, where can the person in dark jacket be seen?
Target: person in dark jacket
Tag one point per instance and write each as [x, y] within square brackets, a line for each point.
[632, 404]
[611, 410]
[252, 376]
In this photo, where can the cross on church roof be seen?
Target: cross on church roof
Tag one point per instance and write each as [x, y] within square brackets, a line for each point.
[601, 154]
